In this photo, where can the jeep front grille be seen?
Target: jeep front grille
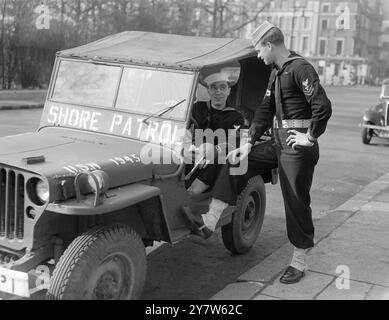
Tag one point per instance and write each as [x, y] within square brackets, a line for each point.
[12, 196]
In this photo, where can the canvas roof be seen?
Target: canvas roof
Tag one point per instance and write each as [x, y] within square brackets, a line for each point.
[163, 50]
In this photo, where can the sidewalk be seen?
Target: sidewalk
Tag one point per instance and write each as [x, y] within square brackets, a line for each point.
[16, 105]
[22, 99]
[352, 240]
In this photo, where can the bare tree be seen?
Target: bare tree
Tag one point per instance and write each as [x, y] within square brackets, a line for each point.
[227, 15]
[3, 48]
[247, 18]
[27, 54]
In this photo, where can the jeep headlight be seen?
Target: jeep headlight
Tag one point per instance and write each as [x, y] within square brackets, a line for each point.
[42, 191]
[38, 191]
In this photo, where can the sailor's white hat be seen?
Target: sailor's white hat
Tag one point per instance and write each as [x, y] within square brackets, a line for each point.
[258, 34]
[217, 77]
[229, 72]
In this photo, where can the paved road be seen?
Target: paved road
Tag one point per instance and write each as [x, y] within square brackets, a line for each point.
[19, 121]
[192, 270]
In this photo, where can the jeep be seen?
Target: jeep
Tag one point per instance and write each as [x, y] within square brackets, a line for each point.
[78, 203]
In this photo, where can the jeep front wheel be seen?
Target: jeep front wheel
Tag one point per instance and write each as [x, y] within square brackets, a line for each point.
[105, 263]
[240, 235]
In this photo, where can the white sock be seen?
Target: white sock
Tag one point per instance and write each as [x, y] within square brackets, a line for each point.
[299, 259]
[216, 209]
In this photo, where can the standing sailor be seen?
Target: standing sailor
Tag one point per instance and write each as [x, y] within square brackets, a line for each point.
[302, 110]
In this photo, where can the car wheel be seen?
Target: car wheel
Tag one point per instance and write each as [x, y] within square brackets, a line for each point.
[240, 235]
[367, 134]
[105, 263]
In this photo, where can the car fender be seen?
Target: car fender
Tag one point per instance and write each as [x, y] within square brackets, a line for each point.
[372, 116]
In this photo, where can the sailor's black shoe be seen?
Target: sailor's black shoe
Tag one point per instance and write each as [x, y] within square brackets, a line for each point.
[291, 275]
[198, 226]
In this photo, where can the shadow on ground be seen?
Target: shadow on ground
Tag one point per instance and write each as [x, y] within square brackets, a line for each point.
[194, 270]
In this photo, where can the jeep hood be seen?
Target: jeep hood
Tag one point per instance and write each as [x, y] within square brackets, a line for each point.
[67, 152]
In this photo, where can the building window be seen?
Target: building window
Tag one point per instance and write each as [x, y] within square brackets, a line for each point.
[339, 46]
[294, 22]
[307, 22]
[324, 24]
[301, 3]
[305, 44]
[282, 23]
[293, 43]
[325, 7]
[341, 25]
[352, 47]
[284, 4]
[322, 46]
[269, 19]
[337, 68]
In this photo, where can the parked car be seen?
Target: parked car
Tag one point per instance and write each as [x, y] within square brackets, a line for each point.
[75, 198]
[376, 119]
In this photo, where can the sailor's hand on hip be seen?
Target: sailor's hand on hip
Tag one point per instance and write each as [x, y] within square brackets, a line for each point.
[298, 139]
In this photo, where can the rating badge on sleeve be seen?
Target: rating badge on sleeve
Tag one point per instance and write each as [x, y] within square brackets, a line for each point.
[308, 88]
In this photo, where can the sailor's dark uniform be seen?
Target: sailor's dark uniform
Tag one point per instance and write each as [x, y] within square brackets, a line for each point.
[207, 117]
[299, 102]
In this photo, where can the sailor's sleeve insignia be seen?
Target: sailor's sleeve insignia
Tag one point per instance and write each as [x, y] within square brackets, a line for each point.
[308, 88]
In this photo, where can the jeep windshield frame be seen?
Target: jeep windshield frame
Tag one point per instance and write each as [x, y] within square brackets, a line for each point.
[133, 89]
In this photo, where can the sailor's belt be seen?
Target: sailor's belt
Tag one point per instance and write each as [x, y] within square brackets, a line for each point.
[293, 124]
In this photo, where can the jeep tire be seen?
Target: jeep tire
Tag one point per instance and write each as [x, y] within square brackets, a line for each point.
[104, 263]
[240, 235]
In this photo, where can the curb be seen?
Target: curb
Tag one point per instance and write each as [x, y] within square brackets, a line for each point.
[250, 284]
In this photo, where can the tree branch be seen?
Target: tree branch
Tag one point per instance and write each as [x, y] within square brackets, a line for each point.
[248, 21]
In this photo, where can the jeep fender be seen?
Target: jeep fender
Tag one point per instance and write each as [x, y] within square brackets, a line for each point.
[146, 196]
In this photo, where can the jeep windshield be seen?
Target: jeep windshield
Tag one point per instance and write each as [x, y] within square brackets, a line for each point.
[133, 89]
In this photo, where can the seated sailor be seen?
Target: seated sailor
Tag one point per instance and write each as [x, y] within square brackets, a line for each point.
[216, 115]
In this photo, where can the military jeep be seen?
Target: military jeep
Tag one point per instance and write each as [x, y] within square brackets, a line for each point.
[77, 200]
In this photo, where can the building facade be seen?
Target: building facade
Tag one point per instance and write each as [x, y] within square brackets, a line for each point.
[340, 38]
